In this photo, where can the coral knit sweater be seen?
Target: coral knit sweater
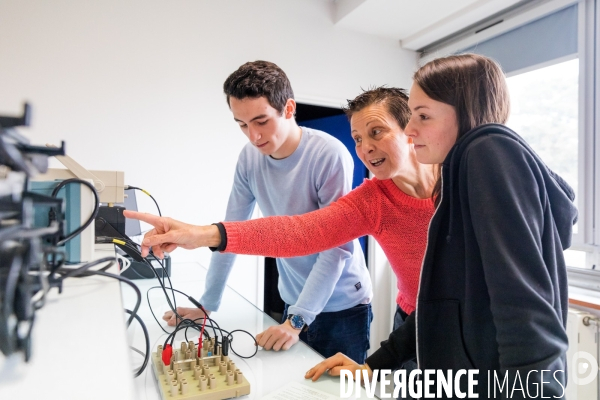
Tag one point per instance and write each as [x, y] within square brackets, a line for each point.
[397, 221]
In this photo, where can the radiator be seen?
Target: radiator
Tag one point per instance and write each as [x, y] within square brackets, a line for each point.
[582, 356]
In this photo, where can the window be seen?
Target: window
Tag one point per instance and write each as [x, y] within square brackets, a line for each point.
[550, 53]
[544, 112]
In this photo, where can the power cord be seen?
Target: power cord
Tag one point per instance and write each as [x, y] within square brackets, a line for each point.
[147, 338]
[84, 271]
[146, 192]
[94, 212]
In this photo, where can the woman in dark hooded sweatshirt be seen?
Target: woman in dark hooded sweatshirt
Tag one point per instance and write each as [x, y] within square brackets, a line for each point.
[493, 287]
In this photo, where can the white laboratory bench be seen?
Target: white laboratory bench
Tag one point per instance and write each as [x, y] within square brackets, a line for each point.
[268, 371]
[79, 347]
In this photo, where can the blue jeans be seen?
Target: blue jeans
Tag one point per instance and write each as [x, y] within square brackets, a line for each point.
[399, 318]
[345, 331]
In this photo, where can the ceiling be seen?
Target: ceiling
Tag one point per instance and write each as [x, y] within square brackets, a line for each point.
[415, 23]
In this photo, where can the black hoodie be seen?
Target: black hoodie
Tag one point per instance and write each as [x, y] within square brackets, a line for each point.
[493, 288]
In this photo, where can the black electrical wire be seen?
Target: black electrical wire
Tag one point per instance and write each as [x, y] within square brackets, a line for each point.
[212, 322]
[172, 305]
[84, 271]
[118, 277]
[129, 244]
[175, 311]
[195, 326]
[152, 311]
[143, 191]
[134, 246]
[160, 262]
[162, 281]
[74, 272]
[171, 335]
[94, 212]
[147, 338]
[141, 353]
[212, 325]
[230, 337]
[179, 317]
[184, 323]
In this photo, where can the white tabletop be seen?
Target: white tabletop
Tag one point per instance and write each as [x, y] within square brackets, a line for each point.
[79, 347]
[266, 372]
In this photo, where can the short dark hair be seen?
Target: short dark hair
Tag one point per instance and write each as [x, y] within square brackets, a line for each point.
[395, 99]
[260, 78]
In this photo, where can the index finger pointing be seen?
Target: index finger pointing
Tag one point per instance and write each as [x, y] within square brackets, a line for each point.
[148, 218]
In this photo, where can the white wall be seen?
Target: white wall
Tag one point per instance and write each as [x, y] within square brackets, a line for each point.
[136, 85]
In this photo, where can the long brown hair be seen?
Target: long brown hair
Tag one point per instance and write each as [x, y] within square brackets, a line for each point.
[473, 84]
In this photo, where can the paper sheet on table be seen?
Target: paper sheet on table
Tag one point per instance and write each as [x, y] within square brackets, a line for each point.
[298, 391]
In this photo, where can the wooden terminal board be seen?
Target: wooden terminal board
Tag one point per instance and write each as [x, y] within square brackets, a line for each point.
[189, 377]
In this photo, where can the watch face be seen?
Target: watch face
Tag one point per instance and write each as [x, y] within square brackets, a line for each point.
[297, 321]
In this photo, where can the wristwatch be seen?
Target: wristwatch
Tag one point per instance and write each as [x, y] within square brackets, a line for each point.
[297, 321]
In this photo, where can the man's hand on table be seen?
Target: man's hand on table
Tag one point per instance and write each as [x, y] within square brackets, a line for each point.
[278, 337]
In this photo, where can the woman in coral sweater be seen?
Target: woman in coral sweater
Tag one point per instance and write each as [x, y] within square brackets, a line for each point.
[395, 206]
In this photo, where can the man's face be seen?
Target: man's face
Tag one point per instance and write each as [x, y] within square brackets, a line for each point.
[264, 126]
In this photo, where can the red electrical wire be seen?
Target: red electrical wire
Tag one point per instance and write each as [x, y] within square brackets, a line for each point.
[201, 336]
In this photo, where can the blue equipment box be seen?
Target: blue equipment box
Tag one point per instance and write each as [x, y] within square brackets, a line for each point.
[71, 195]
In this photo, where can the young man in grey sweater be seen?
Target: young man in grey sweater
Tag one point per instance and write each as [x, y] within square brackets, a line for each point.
[289, 170]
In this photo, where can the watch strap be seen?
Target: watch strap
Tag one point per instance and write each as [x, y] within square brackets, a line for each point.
[303, 328]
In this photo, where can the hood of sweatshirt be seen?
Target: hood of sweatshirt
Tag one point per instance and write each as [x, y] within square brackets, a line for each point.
[560, 194]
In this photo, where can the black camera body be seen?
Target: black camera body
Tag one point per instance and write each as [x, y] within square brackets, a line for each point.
[24, 248]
